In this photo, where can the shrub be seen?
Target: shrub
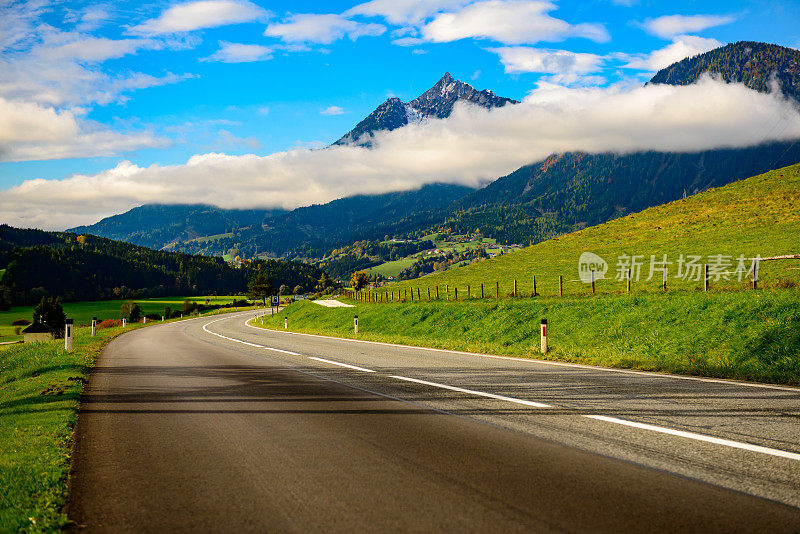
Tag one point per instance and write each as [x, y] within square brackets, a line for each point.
[153, 317]
[20, 322]
[109, 323]
[17, 330]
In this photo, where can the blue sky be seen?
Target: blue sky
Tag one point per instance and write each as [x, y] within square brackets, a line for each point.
[85, 86]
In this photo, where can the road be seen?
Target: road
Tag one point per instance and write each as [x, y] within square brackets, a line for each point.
[213, 425]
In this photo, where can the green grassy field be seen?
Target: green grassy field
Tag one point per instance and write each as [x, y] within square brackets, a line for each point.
[749, 335]
[82, 312]
[756, 216]
[390, 268]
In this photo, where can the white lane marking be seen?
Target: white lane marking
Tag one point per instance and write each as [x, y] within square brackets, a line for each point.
[699, 437]
[342, 364]
[634, 424]
[245, 342]
[544, 362]
[473, 392]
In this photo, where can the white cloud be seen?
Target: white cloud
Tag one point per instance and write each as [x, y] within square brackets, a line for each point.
[322, 29]
[672, 25]
[240, 53]
[29, 131]
[191, 16]
[93, 49]
[333, 110]
[402, 12]
[682, 47]
[228, 140]
[508, 22]
[527, 59]
[471, 147]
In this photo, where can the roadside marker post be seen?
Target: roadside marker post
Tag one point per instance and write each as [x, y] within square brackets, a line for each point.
[544, 336]
[123, 322]
[144, 320]
[94, 326]
[162, 317]
[285, 323]
[355, 324]
[68, 326]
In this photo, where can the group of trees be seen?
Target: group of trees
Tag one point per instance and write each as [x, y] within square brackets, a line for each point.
[365, 254]
[38, 264]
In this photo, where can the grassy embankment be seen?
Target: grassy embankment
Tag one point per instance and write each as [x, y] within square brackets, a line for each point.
[729, 332]
[40, 386]
[82, 312]
[759, 215]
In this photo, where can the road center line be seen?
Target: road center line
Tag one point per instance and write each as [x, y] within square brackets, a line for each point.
[245, 342]
[473, 392]
[699, 437]
[341, 364]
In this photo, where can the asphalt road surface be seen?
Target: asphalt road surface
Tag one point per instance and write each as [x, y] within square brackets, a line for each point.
[213, 425]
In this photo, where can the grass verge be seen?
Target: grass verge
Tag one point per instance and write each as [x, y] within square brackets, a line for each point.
[745, 335]
[40, 389]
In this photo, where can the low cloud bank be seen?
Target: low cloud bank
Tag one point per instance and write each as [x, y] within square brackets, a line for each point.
[472, 147]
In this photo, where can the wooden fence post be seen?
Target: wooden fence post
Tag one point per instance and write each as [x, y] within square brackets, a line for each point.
[592, 281]
[705, 277]
[497, 288]
[560, 286]
[469, 292]
[755, 273]
[664, 280]
[447, 288]
[515, 287]
[418, 297]
[535, 292]
[437, 291]
[456, 292]
[429, 294]
[628, 281]
[481, 290]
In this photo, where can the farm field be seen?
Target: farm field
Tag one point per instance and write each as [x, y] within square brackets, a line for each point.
[82, 312]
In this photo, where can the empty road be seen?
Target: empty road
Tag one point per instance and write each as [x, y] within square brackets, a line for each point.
[214, 425]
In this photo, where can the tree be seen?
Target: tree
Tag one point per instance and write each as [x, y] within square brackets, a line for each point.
[324, 283]
[298, 290]
[51, 312]
[260, 287]
[131, 312]
[358, 280]
[283, 290]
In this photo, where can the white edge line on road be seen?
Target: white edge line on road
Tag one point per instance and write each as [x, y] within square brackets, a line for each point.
[473, 392]
[341, 364]
[545, 362]
[699, 437]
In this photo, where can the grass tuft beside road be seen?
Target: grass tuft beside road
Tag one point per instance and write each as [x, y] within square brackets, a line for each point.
[746, 335]
[40, 389]
[40, 386]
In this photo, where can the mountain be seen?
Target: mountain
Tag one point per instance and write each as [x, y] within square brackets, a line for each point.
[156, 225]
[309, 232]
[437, 102]
[572, 190]
[755, 65]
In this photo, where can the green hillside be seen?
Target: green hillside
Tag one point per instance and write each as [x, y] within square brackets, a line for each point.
[756, 216]
[728, 332]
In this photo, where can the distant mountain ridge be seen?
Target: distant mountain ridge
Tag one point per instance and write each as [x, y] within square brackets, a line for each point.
[756, 65]
[562, 193]
[437, 102]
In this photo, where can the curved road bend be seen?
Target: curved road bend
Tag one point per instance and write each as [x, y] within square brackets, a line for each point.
[212, 425]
